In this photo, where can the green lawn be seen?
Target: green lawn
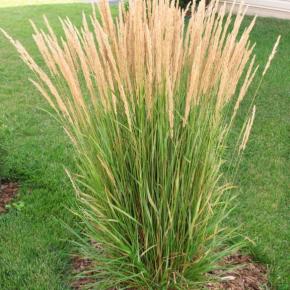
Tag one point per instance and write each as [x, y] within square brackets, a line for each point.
[33, 243]
[10, 3]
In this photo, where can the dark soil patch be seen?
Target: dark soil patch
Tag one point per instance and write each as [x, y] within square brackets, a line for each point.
[247, 274]
[8, 191]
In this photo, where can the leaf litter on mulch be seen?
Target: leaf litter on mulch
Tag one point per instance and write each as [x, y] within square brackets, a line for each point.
[245, 275]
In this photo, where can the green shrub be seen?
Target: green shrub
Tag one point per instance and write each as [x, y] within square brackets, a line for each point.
[185, 3]
[147, 110]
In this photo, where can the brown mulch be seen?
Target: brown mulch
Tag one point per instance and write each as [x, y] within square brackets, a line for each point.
[80, 265]
[8, 191]
[246, 275]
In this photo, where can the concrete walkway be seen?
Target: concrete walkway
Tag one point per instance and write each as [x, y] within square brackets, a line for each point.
[265, 8]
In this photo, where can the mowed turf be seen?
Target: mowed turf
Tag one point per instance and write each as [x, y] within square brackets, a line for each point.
[34, 245]
[10, 3]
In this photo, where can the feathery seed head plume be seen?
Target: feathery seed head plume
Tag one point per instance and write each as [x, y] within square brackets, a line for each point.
[143, 55]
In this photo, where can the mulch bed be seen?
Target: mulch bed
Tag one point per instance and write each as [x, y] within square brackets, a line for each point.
[80, 265]
[8, 191]
[247, 275]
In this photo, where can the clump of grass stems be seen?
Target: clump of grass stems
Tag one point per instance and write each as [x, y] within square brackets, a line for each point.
[148, 104]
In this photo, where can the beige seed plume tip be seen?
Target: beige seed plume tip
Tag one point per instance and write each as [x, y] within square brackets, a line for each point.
[247, 131]
[274, 51]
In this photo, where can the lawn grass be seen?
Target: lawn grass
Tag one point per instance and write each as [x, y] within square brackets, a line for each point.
[10, 3]
[34, 245]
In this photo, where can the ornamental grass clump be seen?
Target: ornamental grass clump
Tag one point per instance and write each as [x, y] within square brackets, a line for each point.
[148, 102]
